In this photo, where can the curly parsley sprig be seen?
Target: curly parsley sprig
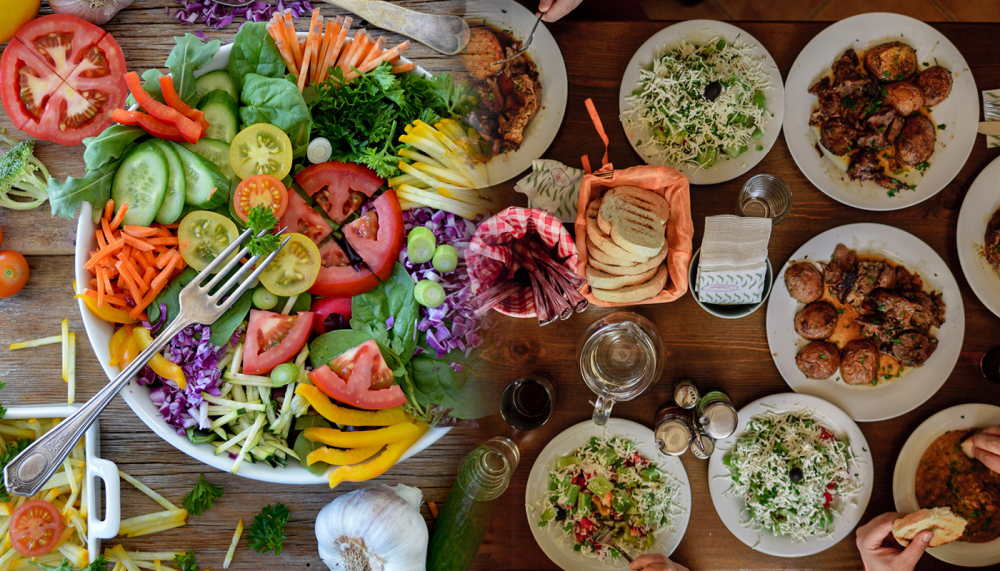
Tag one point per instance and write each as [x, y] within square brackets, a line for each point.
[261, 217]
[267, 532]
[202, 496]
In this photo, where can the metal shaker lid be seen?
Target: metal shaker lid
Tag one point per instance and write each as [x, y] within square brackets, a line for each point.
[719, 419]
[707, 442]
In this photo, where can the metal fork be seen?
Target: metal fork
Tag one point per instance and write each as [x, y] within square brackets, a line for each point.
[33, 467]
[524, 46]
[605, 539]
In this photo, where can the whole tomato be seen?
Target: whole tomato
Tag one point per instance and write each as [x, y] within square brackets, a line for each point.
[13, 272]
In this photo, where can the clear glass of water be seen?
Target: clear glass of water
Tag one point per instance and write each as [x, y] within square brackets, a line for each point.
[765, 196]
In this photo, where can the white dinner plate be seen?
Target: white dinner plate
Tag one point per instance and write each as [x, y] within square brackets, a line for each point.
[732, 509]
[904, 477]
[959, 113]
[888, 399]
[551, 539]
[699, 31]
[980, 203]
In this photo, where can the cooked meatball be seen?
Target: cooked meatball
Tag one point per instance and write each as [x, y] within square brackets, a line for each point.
[804, 282]
[859, 362]
[935, 84]
[818, 360]
[912, 348]
[904, 97]
[838, 136]
[894, 61]
[916, 141]
[816, 321]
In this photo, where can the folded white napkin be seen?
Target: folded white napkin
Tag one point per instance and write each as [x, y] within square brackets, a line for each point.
[552, 186]
[733, 261]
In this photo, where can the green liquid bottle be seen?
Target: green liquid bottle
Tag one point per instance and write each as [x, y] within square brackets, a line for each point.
[460, 528]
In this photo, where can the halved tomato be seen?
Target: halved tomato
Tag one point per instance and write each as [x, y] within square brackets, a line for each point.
[330, 313]
[377, 235]
[339, 188]
[337, 277]
[35, 528]
[293, 271]
[260, 189]
[301, 218]
[359, 377]
[273, 339]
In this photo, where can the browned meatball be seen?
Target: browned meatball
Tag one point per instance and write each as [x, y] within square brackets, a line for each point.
[904, 97]
[838, 136]
[818, 360]
[816, 321]
[935, 83]
[916, 141]
[804, 282]
[894, 61]
[859, 362]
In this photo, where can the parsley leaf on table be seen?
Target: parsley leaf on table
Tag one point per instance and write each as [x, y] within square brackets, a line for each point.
[267, 532]
[185, 562]
[65, 565]
[202, 496]
[261, 217]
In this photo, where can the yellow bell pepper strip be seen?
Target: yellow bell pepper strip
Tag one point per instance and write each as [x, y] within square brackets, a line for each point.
[346, 416]
[130, 350]
[341, 457]
[116, 344]
[380, 465]
[361, 438]
[106, 311]
[160, 366]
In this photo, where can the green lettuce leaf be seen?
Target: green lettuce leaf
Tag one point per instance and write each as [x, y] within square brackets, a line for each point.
[189, 55]
[112, 144]
[94, 187]
[254, 51]
[276, 101]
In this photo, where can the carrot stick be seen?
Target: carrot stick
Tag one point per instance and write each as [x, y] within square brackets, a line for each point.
[385, 55]
[349, 50]
[293, 38]
[363, 44]
[324, 45]
[333, 29]
[117, 220]
[105, 252]
[338, 46]
[165, 273]
[106, 228]
[130, 284]
[131, 273]
[277, 30]
[109, 209]
[163, 241]
[403, 67]
[137, 243]
[139, 231]
[373, 53]
[101, 242]
[311, 51]
[101, 276]
[149, 274]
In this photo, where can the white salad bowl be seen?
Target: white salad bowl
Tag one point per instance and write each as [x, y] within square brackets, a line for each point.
[99, 332]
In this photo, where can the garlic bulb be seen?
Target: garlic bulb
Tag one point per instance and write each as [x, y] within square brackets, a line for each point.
[374, 529]
[94, 11]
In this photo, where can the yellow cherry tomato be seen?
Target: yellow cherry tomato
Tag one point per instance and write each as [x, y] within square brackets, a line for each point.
[203, 235]
[261, 149]
[294, 269]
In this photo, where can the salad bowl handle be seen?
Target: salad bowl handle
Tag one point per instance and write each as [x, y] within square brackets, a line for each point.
[446, 34]
[107, 472]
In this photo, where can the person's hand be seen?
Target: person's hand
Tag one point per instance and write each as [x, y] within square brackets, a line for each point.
[655, 563]
[986, 447]
[555, 9]
[878, 554]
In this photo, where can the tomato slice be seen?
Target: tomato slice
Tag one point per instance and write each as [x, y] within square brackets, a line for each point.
[339, 188]
[337, 277]
[294, 269]
[377, 235]
[203, 235]
[300, 217]
[273, 339]
[261, 148]
[359, 377]
[261, 189]
[35, 528]
[330, 313]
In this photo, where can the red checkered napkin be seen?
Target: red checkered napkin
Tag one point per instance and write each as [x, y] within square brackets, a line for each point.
[490, 259]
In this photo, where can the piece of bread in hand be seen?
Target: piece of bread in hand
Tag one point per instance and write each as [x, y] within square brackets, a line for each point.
[947, 526]
[634, 293]
[967, 445]
[635, 219]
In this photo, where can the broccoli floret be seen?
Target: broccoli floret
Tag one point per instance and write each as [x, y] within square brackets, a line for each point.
[22, 176]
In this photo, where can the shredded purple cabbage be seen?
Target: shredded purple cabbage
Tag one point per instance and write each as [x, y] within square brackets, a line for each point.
[451, 326]
[218, 16]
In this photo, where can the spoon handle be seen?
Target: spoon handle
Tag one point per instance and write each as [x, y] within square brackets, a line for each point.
[446, 34]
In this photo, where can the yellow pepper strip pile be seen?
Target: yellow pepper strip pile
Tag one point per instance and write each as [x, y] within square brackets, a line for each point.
[107, 312]
[341, 457]
[349, 417]
[362, 438]
[128, 342]
[374, 468]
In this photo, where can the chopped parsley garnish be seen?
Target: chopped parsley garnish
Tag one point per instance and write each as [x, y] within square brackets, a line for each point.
[923, 166]
[261, 217]
[267, 532]
[941, 127]
[202, 496]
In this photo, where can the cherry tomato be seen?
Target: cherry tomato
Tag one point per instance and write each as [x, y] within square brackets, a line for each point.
[13, 272]
[203, 236]
[359, 377]
[294, 269]
[273, 339]
[35, 528]
[377, 235]
[257, 190]
[261, 149]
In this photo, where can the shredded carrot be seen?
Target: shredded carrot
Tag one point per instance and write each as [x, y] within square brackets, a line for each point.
[137, 243]
[163, 241]
[164, 276]
[109, 209]
[106, 228]
[117, 220]
[139, 231]
[105, 252]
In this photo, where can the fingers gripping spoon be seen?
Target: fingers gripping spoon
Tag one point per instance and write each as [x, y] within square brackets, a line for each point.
[33, 467]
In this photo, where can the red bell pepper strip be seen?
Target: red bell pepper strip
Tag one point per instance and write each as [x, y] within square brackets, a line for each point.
[175, 101]
[150, 124]
[190, 130]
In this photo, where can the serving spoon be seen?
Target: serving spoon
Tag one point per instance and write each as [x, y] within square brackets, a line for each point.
[446, 34]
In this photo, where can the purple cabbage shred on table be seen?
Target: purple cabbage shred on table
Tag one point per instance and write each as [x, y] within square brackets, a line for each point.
[218, 16]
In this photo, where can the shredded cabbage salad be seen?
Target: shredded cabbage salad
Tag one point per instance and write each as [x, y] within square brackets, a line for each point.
[607, 483]
[687, 128]
[218, 16]
[795, 475]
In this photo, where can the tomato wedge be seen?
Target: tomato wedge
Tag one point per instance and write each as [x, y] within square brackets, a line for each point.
[337, 277]
[359, 377]
[260, 189]
[35, 528]
[377, 235]
[273, 339]
[301, 218]
[330, 313]
[339, 188]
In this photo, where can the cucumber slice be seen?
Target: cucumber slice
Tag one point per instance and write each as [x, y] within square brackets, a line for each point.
[141, 182]
[217, 152]
[215, 80]
[220, 112]
[173, 202]
[206, 188]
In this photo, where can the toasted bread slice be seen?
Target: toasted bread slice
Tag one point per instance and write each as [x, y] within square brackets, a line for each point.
[634, 293]
[603, 257]
[636, 219]
[630, 269]
[947, 527]
[604, 280]
[604, 242]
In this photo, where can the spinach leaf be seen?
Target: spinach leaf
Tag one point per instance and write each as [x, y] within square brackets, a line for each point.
[392, 298]
[276, 101]
[113, 143]
[151, 83]
[189, 55]
[436, 382]
[224, 326]
[254, 51]
[94, 187]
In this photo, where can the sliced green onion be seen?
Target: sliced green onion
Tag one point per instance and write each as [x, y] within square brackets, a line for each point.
[263, 299]
[420, 245]
[285, 373]
[445, 258]
[428, 293]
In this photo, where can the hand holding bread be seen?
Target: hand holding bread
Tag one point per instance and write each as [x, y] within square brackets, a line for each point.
[945, 526]
[985, 447]
[878, 554]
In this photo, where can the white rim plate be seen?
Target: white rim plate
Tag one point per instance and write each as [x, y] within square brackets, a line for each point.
[731, 509]
[897, 397]
[99, 333]
[904, 477]
[550, 539]
[697, 31]
[980, 203]
[959, 112]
